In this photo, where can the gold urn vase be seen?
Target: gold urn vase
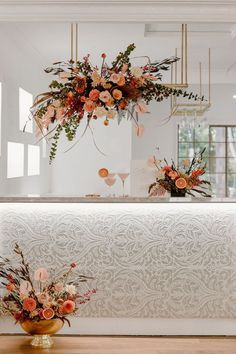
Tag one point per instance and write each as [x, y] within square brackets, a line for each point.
[42, 331]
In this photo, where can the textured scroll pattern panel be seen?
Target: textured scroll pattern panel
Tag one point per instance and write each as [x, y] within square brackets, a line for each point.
[149, 260]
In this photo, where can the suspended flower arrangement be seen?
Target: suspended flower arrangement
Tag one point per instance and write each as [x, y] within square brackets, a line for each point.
[82, 91]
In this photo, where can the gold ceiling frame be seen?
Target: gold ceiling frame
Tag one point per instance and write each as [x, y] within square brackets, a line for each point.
[74, 35]
[200, 107]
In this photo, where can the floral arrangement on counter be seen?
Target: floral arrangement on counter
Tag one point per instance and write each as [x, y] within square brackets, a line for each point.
[83, 90]
[179, 180]
[36, 298]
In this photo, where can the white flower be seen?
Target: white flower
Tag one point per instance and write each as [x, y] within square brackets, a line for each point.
[71, 289]
[136, 71]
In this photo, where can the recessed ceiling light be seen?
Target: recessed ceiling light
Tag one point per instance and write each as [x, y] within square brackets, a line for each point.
[234, 96]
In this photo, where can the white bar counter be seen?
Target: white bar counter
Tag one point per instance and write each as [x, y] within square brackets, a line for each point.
[159, 267]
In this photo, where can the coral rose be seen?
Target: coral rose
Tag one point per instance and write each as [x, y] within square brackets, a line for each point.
[41, 274]
[29, 304]
[48, 313]
[181, 183]
[117, 94]
[105, 96]
[94, 95]
[89, 106]
[68, 306]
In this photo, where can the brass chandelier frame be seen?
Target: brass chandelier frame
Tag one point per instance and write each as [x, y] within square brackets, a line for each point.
[182, 109]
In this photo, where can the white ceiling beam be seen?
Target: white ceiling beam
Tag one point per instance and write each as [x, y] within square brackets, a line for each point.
[119, 11]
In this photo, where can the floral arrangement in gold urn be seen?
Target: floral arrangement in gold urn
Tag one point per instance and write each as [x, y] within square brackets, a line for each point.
[40, 306]
[180, 180]
[81, 90]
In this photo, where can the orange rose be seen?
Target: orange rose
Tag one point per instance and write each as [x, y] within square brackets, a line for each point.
[166, 169]
[89, 106]
[94, 95]
[68, 306]
[117, 94]
[181, 183]
[29, 304]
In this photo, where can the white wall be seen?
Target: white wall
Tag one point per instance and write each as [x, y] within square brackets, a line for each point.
[76, 172]
[222, 111]
[19, 68]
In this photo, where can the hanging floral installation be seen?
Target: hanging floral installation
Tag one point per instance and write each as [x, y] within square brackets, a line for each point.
[82, 90]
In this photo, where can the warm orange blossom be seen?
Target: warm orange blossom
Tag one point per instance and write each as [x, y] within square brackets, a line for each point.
[103, 172]
[181, 183]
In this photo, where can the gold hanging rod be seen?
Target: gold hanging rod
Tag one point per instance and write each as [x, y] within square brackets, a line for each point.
[74, 30]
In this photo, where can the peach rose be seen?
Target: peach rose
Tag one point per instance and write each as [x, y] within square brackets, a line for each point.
[100, 112]
[121, 81]
[41, 274]
[115, 78]
[89, 106]
[43, 298]
[29, 304]
[105, 96]
[117, 94]
[68, 306]
[94, 94]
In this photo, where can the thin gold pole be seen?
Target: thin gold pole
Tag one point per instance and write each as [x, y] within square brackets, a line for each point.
[200, 77]
[176, 66]
[171, 80]
[71, 41]
[209, 78]
[182, 54]
[186, 54]
[76, 42]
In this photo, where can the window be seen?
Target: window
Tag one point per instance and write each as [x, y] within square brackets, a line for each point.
[220, 143]
[15, 160]
[222, 159]
[33, 160]
[25, 103]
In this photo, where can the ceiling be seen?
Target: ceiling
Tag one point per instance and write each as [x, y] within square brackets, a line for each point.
[49, 42]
